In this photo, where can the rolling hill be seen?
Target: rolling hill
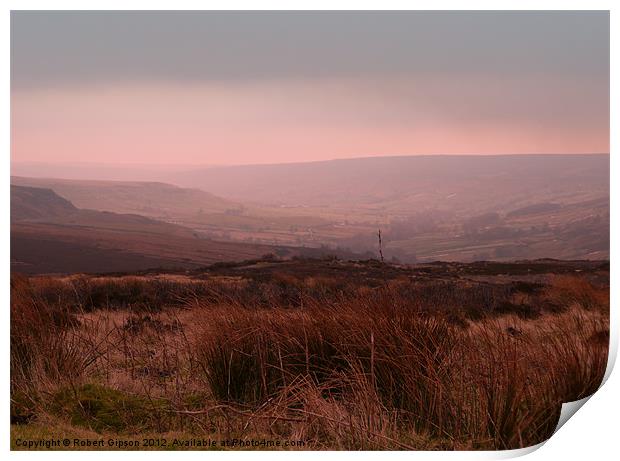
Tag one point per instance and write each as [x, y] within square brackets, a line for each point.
[190, 207]
[454, 208]
[465, 184]
[152, 199]
[32, 203]
[50, 234]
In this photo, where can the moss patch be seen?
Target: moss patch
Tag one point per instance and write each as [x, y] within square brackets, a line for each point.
[103, 409]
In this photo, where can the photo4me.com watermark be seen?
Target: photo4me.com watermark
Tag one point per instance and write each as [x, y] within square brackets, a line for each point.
[189, 443]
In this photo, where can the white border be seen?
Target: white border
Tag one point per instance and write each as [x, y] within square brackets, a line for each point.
[592, 434]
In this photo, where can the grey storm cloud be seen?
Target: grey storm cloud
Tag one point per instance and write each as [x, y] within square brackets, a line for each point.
[52, 48]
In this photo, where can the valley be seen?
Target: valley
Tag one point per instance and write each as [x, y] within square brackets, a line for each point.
[455, 208]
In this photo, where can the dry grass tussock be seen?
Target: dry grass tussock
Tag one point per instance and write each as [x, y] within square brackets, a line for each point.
[372, 368]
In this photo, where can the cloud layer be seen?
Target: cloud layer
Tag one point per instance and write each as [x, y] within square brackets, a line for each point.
[273, 87]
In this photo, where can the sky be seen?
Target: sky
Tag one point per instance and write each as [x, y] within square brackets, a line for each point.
[209, 88]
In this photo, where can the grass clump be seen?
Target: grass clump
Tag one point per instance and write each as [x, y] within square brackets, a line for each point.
[251, 355]
[103, 409]
[23, 407]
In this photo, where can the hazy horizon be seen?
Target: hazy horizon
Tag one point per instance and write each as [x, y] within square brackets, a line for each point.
[156, 165]
[244, 88]
[102, 171]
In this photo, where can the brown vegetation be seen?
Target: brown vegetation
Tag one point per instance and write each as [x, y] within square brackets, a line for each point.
[357, 363]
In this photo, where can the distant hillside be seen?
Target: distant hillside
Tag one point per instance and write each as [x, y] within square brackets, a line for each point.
[49, 234]
[207, 214]
[462, 183]
[449, 208]
[452, 207]
[37, 203]
[151, 199]
[31, 204]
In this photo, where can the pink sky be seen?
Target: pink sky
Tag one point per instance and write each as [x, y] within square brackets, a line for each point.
[211, 87]
[270, 122]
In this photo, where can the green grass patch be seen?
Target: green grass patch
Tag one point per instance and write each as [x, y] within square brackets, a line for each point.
[103, 409]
